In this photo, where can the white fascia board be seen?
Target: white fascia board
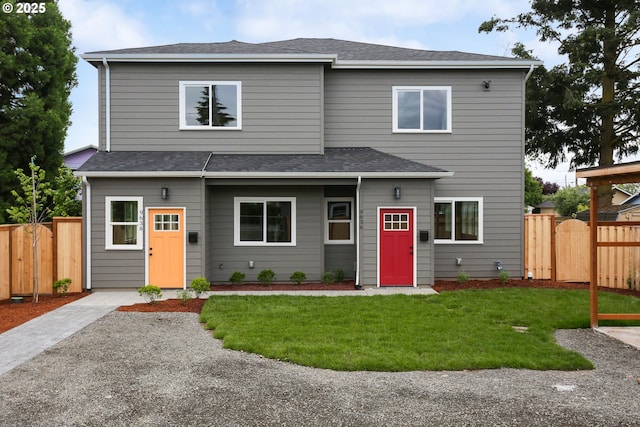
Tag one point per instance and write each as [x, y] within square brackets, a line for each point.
[206, 57]
[265, 175]
[437, 65]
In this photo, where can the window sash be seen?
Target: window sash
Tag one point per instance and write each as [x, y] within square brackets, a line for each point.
[424, 109]
[269, 222]
[338, 216]
[458, 220]
[123, 223]
[197, 99]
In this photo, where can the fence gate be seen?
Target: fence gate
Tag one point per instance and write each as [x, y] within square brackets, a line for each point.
[572, 251]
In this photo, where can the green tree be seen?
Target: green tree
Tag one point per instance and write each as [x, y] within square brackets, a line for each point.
[532, 189]
[571, 200]
[37, 73]
[588, 106]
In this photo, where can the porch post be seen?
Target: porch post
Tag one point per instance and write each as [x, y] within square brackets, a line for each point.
[593, 234]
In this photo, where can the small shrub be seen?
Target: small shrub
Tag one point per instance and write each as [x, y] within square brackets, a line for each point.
[236, 277]
[61, 287]
[503, 276]
[298, 277]
[328, 278]
[200, 286]
[266, 276]
[338, 275]
[150, 293]
[463, 276]
[184, 295]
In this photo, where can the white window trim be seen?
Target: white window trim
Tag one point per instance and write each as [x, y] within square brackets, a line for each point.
[236, 220]
[108, 224]
[182, 118]
[326, 221]
[452, 200]
[397, 89]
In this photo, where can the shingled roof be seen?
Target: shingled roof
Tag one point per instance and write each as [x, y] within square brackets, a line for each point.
[327, 49]
[335, 161]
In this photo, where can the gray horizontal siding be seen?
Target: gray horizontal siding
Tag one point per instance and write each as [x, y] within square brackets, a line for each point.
[281, 108]
[126, 268]
[484, 150]
[379, 193]
[223, 258]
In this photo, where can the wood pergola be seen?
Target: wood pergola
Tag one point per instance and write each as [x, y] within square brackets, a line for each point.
[604, 175]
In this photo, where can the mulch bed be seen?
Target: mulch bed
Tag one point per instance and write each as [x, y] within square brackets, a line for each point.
[13, 314]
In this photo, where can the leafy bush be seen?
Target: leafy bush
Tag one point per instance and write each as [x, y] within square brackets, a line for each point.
[328, 278]
[200, 286]
[503, 276]
[298, 277]
[184, 295]
[266, 276]
[338, 276]
[463, 276]
[236, 277]
[61, 287]
[150, 293]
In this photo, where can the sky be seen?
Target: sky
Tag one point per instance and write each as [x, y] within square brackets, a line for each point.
[420, 24]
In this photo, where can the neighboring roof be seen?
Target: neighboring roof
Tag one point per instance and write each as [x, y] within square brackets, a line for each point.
[607, 213]
[334, 163]
[75, 158]
[546, 204]
[340, 53]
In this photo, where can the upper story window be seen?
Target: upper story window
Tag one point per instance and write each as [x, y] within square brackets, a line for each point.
[211, 105]
[422, 109]
[458, 219]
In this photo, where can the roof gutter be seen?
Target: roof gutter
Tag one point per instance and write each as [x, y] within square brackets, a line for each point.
[107, 95]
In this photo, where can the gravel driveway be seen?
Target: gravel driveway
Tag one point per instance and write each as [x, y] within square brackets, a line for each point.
[164, 369]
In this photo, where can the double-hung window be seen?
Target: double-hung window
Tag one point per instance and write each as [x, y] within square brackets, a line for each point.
[210, 105]
[458, 220]
[265, 221]
[422, 109]
[123, 227]
[338, 214]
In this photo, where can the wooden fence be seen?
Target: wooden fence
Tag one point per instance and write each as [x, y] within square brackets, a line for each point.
[561, 252]
[60, 256]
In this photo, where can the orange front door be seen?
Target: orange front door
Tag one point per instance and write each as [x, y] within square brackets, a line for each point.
[166, 248]
[396, 247]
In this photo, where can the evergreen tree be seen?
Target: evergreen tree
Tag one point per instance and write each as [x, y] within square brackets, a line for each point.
[589, 106]
[37, 73]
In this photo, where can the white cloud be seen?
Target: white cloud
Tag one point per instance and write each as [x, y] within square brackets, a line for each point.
[101, 26]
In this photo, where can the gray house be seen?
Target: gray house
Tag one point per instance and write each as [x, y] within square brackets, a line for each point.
[397, 166]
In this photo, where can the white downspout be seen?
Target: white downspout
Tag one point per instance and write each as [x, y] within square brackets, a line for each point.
[107, 94]
[357, 284]
[529, 73]
[86, 199]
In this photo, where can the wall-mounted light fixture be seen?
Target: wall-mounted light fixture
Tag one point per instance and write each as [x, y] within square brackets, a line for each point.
[397, 192]
[164, 193]
[486, 85]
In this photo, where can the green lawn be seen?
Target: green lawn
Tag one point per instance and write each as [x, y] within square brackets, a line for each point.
[459, 330]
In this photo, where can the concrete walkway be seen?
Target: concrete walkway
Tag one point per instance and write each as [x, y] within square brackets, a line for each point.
[23, 342]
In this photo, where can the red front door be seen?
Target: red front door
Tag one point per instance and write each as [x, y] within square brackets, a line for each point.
[396, 247]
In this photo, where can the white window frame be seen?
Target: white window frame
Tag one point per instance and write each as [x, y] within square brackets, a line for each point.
[183, 120]
[236, 220]
[328, 241]
[397, 89]
[453, 200]
[109, 224]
